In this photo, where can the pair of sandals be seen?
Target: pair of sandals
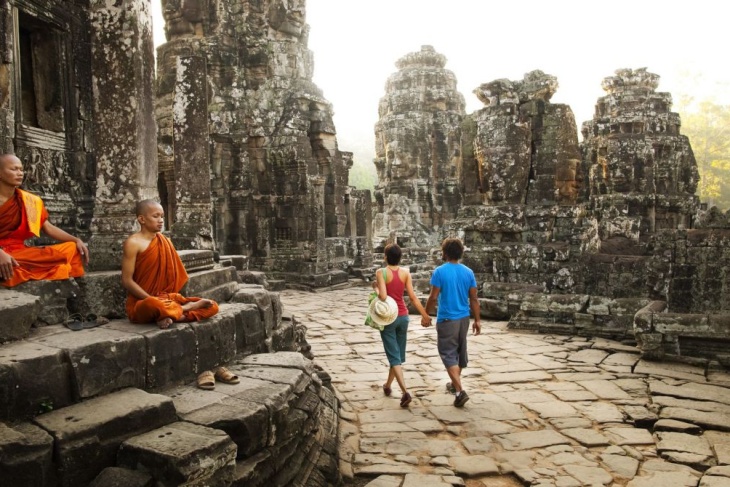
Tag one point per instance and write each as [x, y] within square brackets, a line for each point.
[206, 379]
[77, 321]
[405, 400]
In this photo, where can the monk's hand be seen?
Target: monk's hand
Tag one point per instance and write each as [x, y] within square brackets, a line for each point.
[83, 250]
[6, 265]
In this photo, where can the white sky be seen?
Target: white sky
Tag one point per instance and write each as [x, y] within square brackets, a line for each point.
[356, 44]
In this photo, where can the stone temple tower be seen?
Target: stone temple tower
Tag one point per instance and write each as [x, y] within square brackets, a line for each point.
[642, 174]
[418, 154]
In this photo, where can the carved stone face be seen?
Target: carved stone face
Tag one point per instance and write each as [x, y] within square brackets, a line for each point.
[287, 16]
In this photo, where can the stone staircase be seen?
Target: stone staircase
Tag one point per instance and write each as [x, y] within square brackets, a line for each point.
[117, 404]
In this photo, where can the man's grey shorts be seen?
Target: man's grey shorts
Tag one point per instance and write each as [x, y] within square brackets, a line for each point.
[451, 340]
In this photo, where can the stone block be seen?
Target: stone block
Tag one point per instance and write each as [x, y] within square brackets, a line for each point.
[88, 434]
[26, 456]
[681, 324]
[252, 277]
[266, 302]
[54, 297]
[493, 309]
[182, 454]
[122, 477]
[240, 262]
[200, 282]
[250, 330]
[292, 360]
[19, 312]
[103, 294]
[195, 260]
[33, 379]
[216, 338]
[247, 423]
[282, 338]
[172, 354]
[102, 359]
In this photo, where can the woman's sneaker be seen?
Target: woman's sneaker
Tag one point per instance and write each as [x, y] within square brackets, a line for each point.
[461, 399]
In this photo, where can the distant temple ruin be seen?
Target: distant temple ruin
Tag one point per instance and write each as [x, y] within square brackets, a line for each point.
[606, 237]
[418, 151]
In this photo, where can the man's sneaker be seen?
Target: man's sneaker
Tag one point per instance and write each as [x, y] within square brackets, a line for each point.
[450, 388]
[461, 399]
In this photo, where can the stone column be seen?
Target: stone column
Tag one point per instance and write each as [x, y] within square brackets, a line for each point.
[122, 64]
[193, 212]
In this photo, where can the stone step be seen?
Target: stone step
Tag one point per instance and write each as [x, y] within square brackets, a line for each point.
[104, 295]
[182, 453]
[197, 260]
[56, 297]
[87, 435]
[55, 367]
[19, 312]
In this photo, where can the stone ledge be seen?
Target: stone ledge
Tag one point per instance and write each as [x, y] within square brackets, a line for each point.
[87, 435]
[19, 311]
[56, 367]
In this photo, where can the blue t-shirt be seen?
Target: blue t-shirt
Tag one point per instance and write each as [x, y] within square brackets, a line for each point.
[454, 282]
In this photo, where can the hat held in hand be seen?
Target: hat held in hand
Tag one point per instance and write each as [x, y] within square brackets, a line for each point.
[383, 312]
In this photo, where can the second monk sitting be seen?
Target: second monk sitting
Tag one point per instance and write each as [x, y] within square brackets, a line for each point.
[153, 274]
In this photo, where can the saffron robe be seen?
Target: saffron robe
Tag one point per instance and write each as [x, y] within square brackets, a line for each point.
[21, 218]
[160, 272]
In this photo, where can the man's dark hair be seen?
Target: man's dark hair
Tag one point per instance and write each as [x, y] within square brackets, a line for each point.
[392, 254]
[452, 249]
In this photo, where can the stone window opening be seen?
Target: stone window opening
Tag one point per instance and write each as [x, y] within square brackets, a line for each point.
[40, 77]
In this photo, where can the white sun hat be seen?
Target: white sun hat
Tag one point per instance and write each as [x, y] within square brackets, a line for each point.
[383, 313]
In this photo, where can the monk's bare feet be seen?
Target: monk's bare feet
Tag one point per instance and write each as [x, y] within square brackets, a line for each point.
[200, 304]
[164, 323]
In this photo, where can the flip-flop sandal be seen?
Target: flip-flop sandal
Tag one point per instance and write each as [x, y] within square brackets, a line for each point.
[206, 380]
[73, 322]
[224, 375]
[92, 321]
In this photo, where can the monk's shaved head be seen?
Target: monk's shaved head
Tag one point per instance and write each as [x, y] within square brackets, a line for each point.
[144, 206]
[8, 158]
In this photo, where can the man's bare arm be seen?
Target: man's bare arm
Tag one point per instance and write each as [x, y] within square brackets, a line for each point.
[62, 236]
[129, 259]
[475, 310]
[431, 301]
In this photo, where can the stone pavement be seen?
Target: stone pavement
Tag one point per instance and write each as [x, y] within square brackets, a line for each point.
[544, 410]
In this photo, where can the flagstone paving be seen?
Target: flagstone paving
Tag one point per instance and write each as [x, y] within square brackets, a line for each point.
[544, 410]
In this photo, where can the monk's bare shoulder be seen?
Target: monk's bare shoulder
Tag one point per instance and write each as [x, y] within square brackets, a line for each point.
[136, 243]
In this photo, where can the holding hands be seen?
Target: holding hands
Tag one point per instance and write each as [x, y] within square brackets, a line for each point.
[425, 321]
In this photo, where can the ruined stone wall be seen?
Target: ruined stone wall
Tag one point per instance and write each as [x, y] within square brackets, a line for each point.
[641, 173]
[249, 161]
[520, 179]
[75, 91]
[46, 108]
[418, 151]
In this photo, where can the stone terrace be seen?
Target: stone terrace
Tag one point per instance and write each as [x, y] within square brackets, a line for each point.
[544, 410]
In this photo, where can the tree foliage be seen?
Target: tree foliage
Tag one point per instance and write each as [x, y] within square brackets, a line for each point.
[707, 125]
[363, 175]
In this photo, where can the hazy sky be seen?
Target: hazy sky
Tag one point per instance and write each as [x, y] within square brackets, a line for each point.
[356, 44]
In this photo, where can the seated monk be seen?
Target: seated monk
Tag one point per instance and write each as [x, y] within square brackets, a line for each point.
[23, 216]
[153, 274]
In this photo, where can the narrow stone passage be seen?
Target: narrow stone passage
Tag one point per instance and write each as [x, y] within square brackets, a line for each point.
[544, 410]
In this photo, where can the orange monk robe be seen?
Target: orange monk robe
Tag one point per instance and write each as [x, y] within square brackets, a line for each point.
[160, 272]
[21, 218]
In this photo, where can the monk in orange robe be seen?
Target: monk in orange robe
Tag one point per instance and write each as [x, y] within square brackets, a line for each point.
[153, 274]
[23, 216]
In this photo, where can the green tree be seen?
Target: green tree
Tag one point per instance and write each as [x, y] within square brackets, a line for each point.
[363, 176]
[707, 125]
